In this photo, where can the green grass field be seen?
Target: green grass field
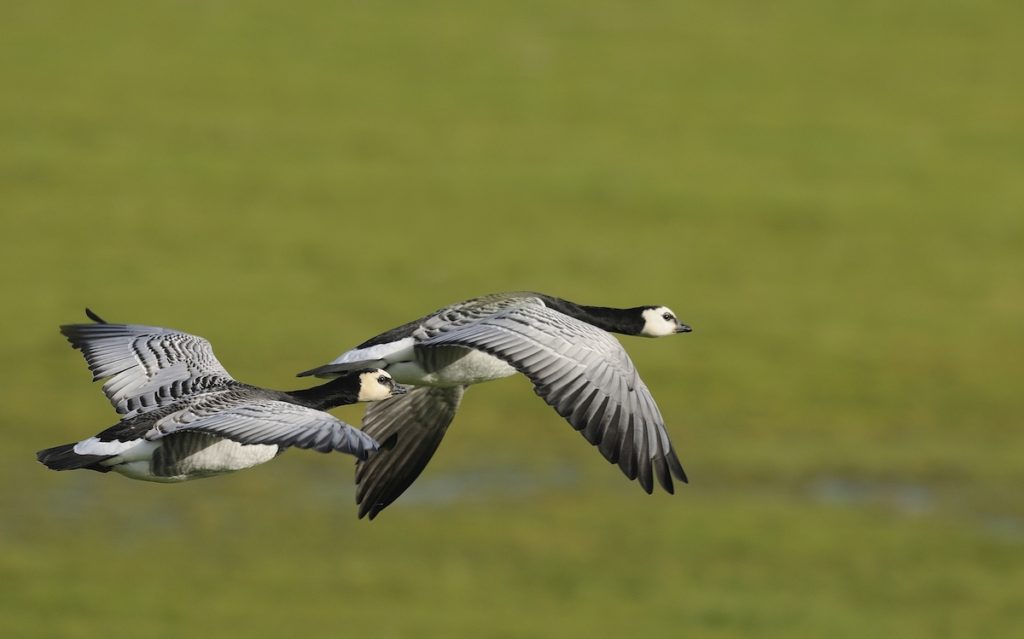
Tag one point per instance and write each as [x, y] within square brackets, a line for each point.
[830, 193]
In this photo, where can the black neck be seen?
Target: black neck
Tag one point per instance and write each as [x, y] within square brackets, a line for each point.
[336, 392]
[627, 321]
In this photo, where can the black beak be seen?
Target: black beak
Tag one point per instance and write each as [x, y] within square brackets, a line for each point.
[399, 389]
[683, 328]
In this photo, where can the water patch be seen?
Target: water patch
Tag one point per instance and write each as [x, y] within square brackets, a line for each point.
[904, 497]
[911, 499]
[1004, 527]
[486, 483]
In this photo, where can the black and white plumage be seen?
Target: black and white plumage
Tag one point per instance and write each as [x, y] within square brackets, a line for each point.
[185, 417]
[562, 347]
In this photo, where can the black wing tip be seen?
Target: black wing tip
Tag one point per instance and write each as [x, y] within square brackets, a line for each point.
[76, 332]
[663, 477]
[75, 335]
[370, 512]
[678, 473]
[676, 470]
[370, 505]
[94, 317]
[676, 467]
[326, 369]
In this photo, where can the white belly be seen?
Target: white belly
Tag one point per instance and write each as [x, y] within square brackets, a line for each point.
[473, 367]
[144, 471]
[227, 456]
[224, 456]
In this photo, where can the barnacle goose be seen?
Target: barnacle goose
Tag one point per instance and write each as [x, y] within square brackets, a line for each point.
[562, 347]
[185, 417]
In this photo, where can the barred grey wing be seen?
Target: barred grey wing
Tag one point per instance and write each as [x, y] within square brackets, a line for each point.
[146, 367]
[266, 421]
[583, 373]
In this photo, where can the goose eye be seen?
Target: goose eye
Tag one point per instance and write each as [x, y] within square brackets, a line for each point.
[667, 317]
[383, 379]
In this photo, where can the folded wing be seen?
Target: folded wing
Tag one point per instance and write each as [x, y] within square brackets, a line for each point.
[266, 421]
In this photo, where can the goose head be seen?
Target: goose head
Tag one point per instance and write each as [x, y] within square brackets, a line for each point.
[660, 321]
[377, 384]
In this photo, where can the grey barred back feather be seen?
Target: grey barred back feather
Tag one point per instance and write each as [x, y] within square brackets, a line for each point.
[247, 418]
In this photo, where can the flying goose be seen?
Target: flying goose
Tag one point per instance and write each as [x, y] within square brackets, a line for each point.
[185, 417]
[562, 347]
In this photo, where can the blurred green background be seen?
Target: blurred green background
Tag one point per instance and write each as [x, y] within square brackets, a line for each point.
[830, 193]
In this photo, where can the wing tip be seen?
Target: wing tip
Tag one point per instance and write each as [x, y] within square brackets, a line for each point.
[335, 368]
[647, 483]
[91, 314]
[327, 369]
[369, 512]
[71, 331]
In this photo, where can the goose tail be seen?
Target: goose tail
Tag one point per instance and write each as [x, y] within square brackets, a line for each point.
[64, 457]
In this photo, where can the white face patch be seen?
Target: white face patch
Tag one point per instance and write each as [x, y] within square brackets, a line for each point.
[375, 386]
[659, 322]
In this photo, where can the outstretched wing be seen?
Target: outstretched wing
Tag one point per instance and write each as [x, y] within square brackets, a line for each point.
[146, 367]
[409, 428]
[266, 421]
[397, 344]
[584, 374]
